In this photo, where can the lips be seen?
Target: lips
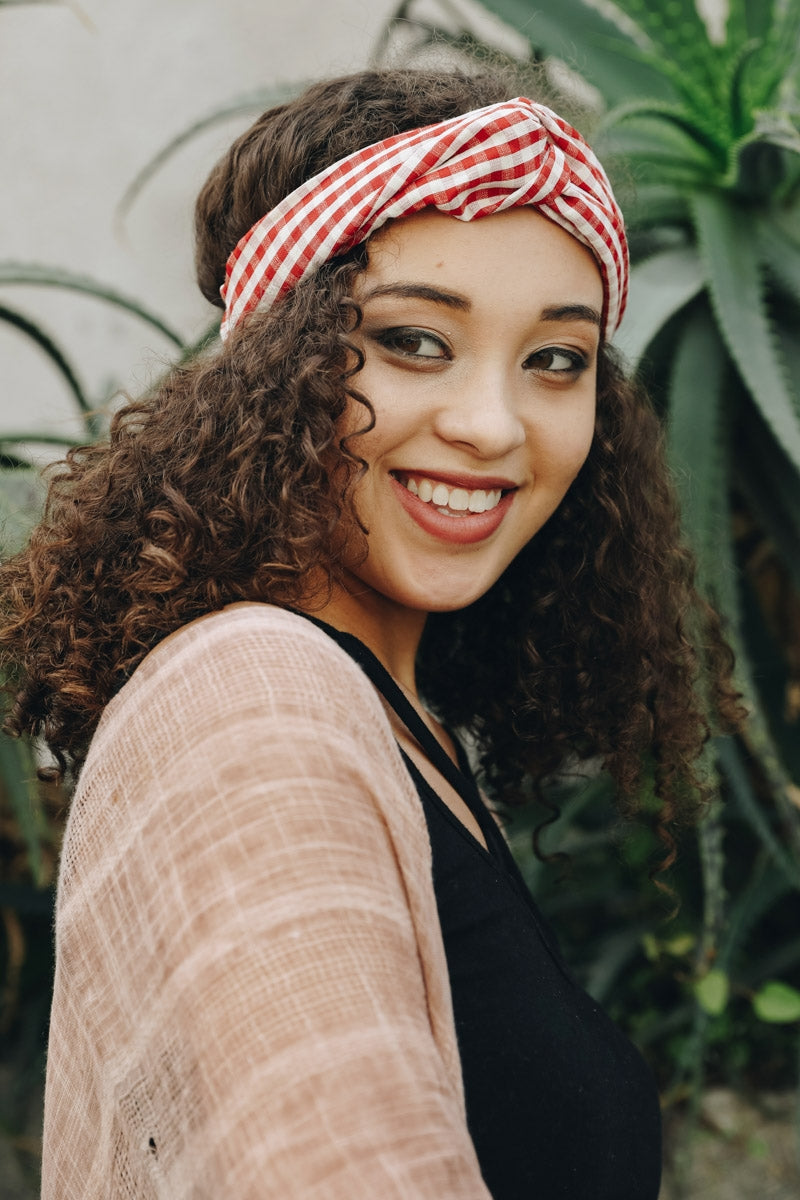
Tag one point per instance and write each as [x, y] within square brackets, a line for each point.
[457, 509]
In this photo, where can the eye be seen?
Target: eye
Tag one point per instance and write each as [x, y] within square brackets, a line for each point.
[412, 343]
[555, 360]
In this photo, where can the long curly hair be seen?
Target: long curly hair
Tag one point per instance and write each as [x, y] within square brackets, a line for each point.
[230, 481]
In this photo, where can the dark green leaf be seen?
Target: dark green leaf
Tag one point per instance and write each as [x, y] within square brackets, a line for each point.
[18, 773]
[56, 355]
[254, 102]
[698, 146]
[730, 253]
[21, 497]
[33, 274]
[586, 40]
[660, 287]
[695, 444]
[781, 255]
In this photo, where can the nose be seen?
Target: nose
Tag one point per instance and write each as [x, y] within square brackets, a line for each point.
[480, 412]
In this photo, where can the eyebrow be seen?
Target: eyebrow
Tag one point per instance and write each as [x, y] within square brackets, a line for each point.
[419, 291]
[424, 291]
[571, 312]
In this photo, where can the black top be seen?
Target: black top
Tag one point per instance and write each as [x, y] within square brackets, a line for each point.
[560, 1104]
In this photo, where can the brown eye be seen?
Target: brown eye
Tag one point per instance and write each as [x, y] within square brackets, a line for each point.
[413, 343]
[555, 360]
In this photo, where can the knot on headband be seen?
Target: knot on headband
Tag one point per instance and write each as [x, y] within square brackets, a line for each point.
[495, 158]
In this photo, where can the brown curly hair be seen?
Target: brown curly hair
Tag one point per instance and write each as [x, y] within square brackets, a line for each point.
[230, 480]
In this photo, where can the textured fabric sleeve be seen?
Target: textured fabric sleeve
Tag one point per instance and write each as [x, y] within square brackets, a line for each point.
[243, 1001]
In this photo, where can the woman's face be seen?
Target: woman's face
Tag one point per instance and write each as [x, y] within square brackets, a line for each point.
[480, 342]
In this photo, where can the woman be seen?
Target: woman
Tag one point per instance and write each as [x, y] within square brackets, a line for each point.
[294, 956]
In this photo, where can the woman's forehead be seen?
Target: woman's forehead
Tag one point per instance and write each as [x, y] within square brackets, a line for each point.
[520, 250]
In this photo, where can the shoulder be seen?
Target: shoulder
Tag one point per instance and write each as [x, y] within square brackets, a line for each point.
[248, 662]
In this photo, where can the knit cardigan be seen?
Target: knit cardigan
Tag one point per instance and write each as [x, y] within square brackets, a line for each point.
[251, 994]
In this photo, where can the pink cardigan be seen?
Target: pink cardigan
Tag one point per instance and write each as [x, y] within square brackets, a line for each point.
[251, 995]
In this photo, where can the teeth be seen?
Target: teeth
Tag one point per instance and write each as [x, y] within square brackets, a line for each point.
[456, 500]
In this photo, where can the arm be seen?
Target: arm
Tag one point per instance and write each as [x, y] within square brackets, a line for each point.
[269, 1033]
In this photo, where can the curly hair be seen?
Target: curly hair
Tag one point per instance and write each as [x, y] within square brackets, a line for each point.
[230, 481]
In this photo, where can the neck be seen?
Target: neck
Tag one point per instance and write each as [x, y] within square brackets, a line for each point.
[391, 631]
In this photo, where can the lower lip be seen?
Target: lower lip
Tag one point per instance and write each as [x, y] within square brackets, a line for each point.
[461, 531]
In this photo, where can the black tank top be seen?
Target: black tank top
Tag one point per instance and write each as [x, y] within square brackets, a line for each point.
[560, 1104]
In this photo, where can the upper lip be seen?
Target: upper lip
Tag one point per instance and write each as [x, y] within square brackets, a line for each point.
[472, 483]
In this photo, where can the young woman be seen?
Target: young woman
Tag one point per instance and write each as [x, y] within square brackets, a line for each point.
[410, 496]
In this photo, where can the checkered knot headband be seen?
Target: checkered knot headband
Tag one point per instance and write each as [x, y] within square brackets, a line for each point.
[495, 158]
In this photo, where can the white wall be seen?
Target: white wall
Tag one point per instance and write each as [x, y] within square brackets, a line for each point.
[89, 91]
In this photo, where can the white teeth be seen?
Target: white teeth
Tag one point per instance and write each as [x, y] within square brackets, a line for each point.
[457, 500]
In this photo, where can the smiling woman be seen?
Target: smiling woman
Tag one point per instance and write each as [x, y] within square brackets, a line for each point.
[411, 497]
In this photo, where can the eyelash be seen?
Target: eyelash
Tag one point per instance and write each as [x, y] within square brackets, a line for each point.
[390, 339]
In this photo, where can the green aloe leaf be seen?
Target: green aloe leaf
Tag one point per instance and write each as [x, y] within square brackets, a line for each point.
[660, 287]
[52, 350]
[734, 271]
[781, 255]
[658, 131]
[740, 785]
[589, 41]
[697, 145]
[777, 1003]
[253, 102]
[22, 494]
[695, 444]
[18, 774]
[768, 481]
[752, 17]
[40, 276]
[763, 890]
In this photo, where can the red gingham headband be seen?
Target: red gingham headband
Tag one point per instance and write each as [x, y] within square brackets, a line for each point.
[483, 162]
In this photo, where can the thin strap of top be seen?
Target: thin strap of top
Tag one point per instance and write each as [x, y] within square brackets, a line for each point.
[459, 777]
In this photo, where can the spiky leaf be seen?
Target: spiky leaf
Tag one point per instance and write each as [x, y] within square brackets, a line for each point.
[736, 286]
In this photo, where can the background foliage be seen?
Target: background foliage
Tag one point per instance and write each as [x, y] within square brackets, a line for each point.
[700, 125]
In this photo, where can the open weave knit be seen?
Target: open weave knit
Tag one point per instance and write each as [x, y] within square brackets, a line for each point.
[251, 995]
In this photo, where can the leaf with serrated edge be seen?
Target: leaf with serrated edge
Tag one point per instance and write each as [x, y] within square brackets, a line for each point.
[735, 284]
[694, 445]
[660, 287]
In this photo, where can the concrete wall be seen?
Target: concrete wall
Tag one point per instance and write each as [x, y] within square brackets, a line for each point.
[89, 91]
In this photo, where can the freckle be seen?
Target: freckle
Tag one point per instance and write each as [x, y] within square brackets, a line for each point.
[440, 263]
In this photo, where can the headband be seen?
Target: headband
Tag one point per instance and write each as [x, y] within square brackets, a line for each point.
[483, 162]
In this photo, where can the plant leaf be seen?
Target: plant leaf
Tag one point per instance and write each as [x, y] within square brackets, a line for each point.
[730, 253]
[777, 1003]
[660, 287]
[252, 102]
[712, 992]
[52, 350]
[18, 773]
[39, 276]
[695, 446]
[22, 493]
[667, 132]
[577, 33]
